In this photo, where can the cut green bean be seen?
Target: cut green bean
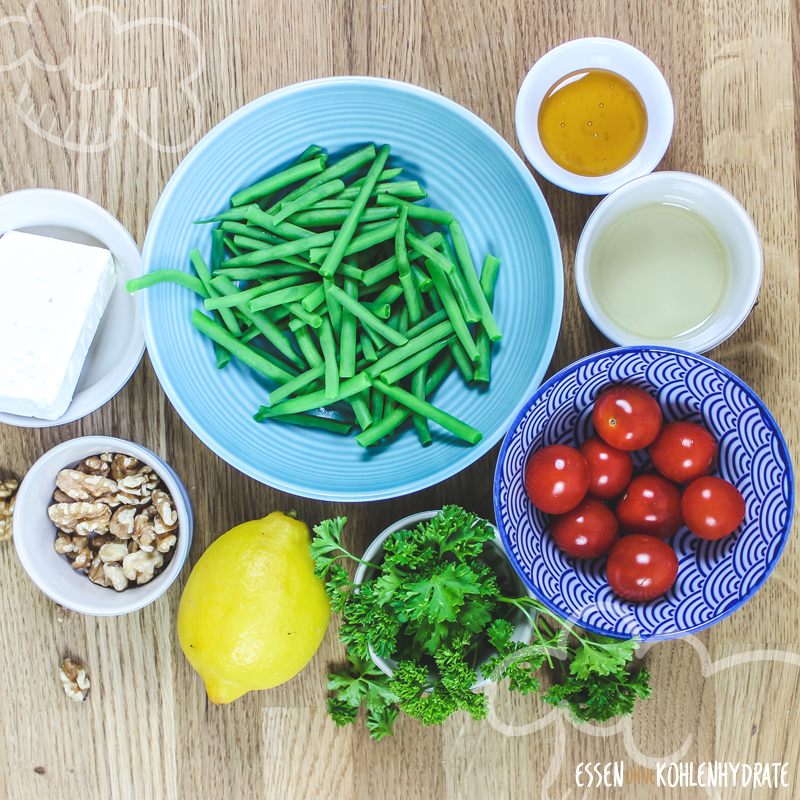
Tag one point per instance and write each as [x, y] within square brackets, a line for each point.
[292, 294]
[462, 293]
[311, 421]
[425, 409]
[377, 400]
[309, 402]
[407, 281]
[332, 202]
[428, 322]
[435, 215]
[317, 218]
[395, 356]
[451, 307]
[347, 338]
[423, 357]
[337, 251]
[255, 216]
[241, 298]
[223, 356]
[228, 240]
[328, 345]
[398, 188]
[388, 295]
[430, 254]
[367, 317]
[460, 356]
[227, 317]
[387, 425]
[245, 354]
[311, 152]
[315, 299]
[367, 348]
[276, 252]
[250, 231]
[305, 341]
[483, 366]
[471, 277]
[380, 310]
[334, 309]
[270, 271]
[286, 209]
[278, 181]
[386, 175]
[167, 276]
[424, 283]
[389, 267]
[279, 363]
[239, 213]
[359, 404]
[420, 422]
[314, 320]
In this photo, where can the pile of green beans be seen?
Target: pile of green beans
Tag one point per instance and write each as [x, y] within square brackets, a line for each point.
[320, 281]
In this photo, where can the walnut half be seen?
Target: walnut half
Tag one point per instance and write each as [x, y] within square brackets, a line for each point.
[7, 498]
[74, 680]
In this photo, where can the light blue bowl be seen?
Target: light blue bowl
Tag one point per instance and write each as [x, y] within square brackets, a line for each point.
[466, 167]
[714, 578]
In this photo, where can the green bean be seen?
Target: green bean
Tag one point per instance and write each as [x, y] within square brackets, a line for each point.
[317, 218]
[287, 230]
[312, 151]
[309, 402]
[334, 257]
[428, 322]
[278, 181]
[228, 240]
[264, 325]
[310, 421]
[322, 191]
[389, 267]
[424, 283]
[276, 252]
[347, 338]
[226, 315]
[315, 299]
[459, 286]
[377, 400]
[239, 298]
[360, 408]
[389, 294]
[430, 254]
[451, 307]
[314, 320]
[270, 271]
[217, 333]
[399, 415]
[228, 214]
[471, 277]
[394, 374]
[282, 297]
[359, 243]
[386, 175]
[279, 363]
[305, 341]
[435, 215]
[367, 317]
[167, 276]
[401, 188]
[410, 289]
[403, 326]
[380, 310]
[334, 309]
[420, 423]
[250, 231]
[328, 344]
[484, 363]
[456, 350]
[332, 202]
[341, 168]
[425, 409]
[223, 356]
[367, 348]
[440, 331]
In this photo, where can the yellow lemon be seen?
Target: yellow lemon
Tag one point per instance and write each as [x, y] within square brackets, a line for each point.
[253, 613]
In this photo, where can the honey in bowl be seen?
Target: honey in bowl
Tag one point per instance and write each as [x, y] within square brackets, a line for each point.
[592, 122]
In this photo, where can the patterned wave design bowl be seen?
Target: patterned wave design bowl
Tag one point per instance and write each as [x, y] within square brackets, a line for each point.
[714, 578]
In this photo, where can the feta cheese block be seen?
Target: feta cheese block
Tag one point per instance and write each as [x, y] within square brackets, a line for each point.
[53, 294]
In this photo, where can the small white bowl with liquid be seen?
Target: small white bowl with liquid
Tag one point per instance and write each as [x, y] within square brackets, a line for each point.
[669, 259]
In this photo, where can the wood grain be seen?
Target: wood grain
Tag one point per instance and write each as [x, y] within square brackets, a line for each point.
[147, 729]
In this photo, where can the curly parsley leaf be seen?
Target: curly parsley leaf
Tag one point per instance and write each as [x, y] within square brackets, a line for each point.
[341, 712]
[362, 682]
[328, 540]
[438, 597]
[380, 722]
[601, 655]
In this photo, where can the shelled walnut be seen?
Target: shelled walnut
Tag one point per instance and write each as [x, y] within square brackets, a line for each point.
[8, 495]
[114, 520]
[74, 680]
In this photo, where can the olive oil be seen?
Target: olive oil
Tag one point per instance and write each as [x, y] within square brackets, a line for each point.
[660, 271]
[592, 122]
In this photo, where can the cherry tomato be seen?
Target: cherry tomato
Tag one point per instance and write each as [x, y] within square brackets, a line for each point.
[556, 478]
[641, 567]
[610, 469]
[683, 452]
[651, 505]
[588, 531]
[712, 507]
[626, 417]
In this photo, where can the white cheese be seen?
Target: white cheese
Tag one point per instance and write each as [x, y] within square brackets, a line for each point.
[52, 296]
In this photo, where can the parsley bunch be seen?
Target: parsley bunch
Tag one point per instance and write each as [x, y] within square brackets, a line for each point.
[438, 606]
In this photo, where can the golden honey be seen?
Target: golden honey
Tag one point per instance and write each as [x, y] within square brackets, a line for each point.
[592, 122]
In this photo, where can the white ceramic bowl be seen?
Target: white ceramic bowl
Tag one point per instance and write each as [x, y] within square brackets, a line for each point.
[595, 53]
[523, 630]
[34, 533]
[722, 211]
[118, 345]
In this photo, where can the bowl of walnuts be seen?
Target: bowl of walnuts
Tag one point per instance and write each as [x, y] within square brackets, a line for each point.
[102, 525]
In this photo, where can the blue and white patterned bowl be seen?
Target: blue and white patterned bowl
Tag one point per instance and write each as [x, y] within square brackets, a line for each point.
[714, 578]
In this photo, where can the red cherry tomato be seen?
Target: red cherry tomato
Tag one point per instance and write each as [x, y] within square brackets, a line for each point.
[641, 567]
[683, 451]
[651, 505]
[626, 417]
[712, 508]
[610, 469]
[588, 531]
[556, 478]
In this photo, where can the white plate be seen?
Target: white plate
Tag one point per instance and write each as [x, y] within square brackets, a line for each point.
[118, 345]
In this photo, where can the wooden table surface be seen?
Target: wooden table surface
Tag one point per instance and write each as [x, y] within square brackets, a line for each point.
[107, 106]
